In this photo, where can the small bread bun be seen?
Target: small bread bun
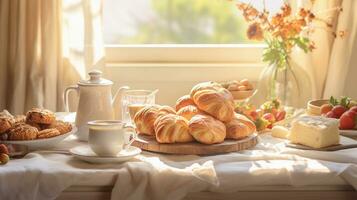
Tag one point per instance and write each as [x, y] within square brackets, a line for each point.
[188, 112]
[239, 127]
[172, 128]
[206, 129]
[183, 102]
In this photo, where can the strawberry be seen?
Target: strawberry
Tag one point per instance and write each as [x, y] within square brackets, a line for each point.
[269, 117]
[326, 108]
[338, 110]
[353, 108]
[254, 115]
[280, 115]
[348, 120]
[331, 115]
[3, 149]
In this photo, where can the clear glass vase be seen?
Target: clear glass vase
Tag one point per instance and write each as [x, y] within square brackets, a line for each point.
[290, 84]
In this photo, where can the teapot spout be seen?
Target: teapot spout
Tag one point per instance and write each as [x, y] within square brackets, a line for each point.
[116, 102]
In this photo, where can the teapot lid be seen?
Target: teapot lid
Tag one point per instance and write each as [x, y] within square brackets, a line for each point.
[95, 78]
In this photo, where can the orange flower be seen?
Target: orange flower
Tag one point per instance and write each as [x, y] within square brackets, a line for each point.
[255, 32]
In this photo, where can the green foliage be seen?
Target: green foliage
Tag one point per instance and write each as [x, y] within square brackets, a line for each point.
[190, 22]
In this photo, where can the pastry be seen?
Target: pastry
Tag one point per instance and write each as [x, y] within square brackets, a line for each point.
[145, 118]
[20, 118]
[22, 131]
[172, 128]
[315, 131]
[239, 127]
[210, 85]
[163, 110]
[40, 116]
[206, 129]
[48, 133]
[31, 123]
[61, 126]
[188, 111]
[183, 102]
[5, 124]
[216, 102]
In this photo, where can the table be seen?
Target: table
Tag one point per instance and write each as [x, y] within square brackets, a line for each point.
[269, 171]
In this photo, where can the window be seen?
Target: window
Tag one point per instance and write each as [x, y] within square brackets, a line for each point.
[179, 30]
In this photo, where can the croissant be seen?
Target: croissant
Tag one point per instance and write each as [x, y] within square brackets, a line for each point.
[210, 85]
[144, 119]
[206, 129]
[188, 111]
[216, 102]
[183, 102]
[239, 127]
[163, 110]
[172, 128]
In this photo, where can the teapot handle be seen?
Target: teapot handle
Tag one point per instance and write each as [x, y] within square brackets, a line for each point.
[66, 93]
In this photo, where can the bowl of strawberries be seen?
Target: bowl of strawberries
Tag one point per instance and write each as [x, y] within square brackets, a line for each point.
[343, 109]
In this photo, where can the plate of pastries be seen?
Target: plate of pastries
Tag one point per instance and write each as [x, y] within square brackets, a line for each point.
[38, 129]
[201, 118]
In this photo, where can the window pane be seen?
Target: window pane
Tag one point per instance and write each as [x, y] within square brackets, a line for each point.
[177, 21]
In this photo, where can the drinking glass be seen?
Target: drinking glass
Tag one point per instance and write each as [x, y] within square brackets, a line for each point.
[134, 100]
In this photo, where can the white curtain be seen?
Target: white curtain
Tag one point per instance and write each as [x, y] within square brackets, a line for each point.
[45, 46]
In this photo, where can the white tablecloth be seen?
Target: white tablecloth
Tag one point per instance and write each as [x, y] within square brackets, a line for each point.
[156, 176]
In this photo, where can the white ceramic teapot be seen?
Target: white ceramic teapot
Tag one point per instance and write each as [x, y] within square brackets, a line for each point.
[95, 101]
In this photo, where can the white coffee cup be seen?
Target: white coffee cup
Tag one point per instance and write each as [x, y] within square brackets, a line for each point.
[108, 137]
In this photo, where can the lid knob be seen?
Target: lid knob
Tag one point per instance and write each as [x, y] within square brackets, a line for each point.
[95, 75]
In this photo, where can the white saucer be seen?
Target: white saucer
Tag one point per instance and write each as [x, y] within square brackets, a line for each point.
[85, 153]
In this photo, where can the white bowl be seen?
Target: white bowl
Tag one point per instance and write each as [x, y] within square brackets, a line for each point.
[46, 143]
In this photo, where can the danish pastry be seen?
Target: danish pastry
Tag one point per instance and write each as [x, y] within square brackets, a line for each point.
[206, 129]
[239, 127]
[40, 116]
[20, 118]
[183, 102]
[22, 131]
[144, 119]
[188, 111]
[5, 124]
[172, 128]
[48, 133]
[61, 126]
[217, 102]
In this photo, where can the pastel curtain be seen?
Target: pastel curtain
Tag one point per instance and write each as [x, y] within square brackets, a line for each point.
[45, 46]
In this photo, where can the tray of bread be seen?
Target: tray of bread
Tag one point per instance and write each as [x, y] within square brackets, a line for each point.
[38, 129]
[203, 122]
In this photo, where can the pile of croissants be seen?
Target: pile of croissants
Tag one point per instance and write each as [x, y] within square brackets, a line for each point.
[206, 115]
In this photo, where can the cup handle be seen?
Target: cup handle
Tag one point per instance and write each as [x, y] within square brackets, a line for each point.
[130, 130]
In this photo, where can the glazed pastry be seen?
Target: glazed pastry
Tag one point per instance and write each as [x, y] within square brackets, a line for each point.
[61, 126]
[40, 116]
[183, 102]
[163, 110]
[210, 85]
[172, 128]
[20, 118]
[33, 124]
[239, 127]
[188, 112]
[144, 119]
[206, 129]
[216, 102]
[22, 132]
[5, 124]
[48, 133]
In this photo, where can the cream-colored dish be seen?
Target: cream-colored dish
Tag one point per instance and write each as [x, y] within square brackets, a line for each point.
[314, 106]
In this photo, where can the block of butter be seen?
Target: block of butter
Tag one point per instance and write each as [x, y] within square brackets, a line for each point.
[315, 131]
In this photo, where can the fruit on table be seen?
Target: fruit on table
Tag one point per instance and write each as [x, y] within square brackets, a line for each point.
[326, 108]
[4, 149]
[348, 120]
[338, 110]
[4, 158]
[354, 108]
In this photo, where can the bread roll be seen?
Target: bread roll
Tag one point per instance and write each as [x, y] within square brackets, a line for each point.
[172, 128]
[216, 102]
[183, 102]
[144, 119]
[188, 112]
[206, 129]
[163, 110]
[239, 127]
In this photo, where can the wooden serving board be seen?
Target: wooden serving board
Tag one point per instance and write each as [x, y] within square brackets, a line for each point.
[149, 143]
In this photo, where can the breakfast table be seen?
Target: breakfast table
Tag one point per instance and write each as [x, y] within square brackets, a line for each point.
[268, 170]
